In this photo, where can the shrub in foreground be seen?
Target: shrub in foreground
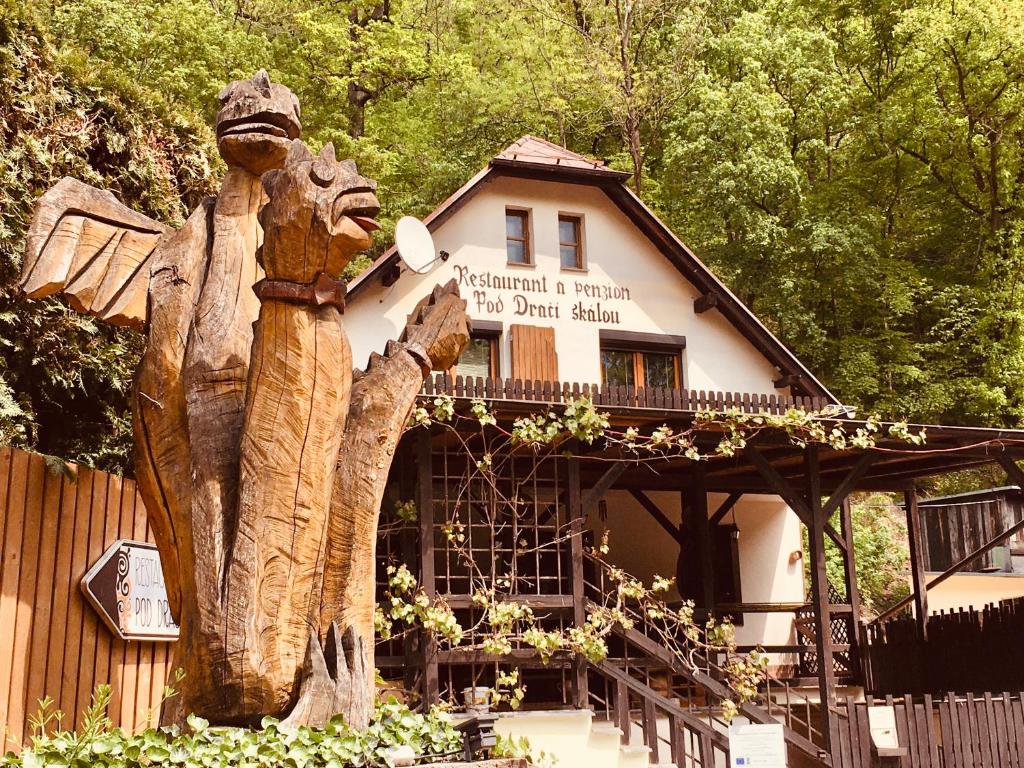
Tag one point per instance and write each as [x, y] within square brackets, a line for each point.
[101, 745]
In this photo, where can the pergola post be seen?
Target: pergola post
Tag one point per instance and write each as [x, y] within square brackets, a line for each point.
[917, 573]
[425, 505]
[407, 537]
[695, 512]
[820, 598]
[580, 693]
[852, 591]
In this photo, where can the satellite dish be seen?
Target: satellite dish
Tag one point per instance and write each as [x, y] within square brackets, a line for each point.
[415, 245]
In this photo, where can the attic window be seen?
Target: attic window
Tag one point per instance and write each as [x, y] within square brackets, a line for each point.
[517, 236]
[570, 241]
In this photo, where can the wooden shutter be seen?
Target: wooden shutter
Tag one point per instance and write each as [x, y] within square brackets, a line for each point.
[533, 353]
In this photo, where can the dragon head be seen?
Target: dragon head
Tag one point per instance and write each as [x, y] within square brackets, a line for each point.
[257, 122]
[319, 214]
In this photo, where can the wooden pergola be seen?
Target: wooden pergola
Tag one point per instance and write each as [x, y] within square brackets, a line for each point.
[814, 480]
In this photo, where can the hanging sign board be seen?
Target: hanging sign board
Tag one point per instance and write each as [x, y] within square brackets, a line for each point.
[756, 745]
[126, 587]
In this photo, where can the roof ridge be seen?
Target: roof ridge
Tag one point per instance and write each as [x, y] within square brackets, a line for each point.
[522, 145]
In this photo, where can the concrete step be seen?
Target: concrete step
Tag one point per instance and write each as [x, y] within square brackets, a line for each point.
[634, 756]
[604, 735]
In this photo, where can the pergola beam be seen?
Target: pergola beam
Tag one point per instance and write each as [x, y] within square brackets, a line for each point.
[1013, 472]
[725, 507]
[848, 483]
[656, 513]
[602, 486]
[782, 487]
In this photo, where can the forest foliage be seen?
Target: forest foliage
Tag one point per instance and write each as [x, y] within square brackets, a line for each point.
[852, 169]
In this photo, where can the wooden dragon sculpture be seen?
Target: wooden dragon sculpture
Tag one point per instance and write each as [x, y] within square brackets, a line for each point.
[261, 458]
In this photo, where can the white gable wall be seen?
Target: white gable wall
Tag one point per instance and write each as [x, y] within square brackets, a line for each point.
[620, 260]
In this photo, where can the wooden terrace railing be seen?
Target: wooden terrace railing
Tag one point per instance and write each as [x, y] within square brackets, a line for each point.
[660, 398]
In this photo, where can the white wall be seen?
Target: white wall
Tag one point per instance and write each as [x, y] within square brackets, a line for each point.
[618, 258]
[963, 590]
[769, 532]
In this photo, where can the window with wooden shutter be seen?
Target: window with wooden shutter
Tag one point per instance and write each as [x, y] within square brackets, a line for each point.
[533, 353]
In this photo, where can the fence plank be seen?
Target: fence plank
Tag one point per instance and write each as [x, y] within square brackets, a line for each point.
[49, 526]
[59, 614]
[9, 576]
[26, 595]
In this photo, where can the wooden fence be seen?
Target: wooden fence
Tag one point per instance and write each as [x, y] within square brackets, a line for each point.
[953, 732]
[966, 650]
[661, 398]
[52, 643]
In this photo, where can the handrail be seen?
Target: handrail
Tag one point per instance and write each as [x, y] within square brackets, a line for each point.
[659, 398]
[951, 571]
[670, 659]
[751, 711]
[694, 723]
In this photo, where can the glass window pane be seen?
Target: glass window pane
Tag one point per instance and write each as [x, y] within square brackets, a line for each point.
[617, 367]
[516, 250]
[514, 225]
[659, 370]
[475, 359]
[567, 231]
[569, 256]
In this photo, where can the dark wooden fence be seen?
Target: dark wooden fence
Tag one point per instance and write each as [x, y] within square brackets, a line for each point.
[661, 398]
[967, 650]
[952, 732]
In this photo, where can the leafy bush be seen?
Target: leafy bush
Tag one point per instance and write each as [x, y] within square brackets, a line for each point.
[100, 745]
[64, 115]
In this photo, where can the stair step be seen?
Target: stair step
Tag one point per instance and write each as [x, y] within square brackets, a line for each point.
[604, 735]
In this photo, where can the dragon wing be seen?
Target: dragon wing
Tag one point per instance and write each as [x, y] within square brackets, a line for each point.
[93, 249]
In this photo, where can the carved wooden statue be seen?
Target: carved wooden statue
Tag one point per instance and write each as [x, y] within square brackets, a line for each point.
[262, 459]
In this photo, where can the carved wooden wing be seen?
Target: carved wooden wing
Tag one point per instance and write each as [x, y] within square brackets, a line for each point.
[93, 249]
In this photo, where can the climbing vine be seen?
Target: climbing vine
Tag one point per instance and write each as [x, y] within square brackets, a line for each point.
[504, 624]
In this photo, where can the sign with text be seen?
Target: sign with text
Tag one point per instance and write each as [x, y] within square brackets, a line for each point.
[536, 297]
[126, 587]
[757, 745]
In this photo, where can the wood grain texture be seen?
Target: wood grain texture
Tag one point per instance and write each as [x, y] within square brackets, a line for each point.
[86, 244]
[240, 412]
[533, 352]
[55, 646]
[382, 399]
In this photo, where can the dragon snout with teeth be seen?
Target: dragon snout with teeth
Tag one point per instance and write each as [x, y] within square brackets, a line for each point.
[322, 203]
[256, 123]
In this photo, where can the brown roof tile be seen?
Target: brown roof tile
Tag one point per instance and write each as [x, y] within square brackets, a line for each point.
[535, 151]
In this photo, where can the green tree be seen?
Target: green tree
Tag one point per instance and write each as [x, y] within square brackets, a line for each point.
[64, 378]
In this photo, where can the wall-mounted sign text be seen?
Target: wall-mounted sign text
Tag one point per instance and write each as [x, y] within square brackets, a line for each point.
[126, 587]
[536, 297]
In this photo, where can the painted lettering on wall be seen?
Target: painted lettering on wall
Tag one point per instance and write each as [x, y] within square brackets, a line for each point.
[537, 298]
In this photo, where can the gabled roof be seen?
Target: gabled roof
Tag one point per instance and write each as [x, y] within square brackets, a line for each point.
[530, 150]
[534, 158]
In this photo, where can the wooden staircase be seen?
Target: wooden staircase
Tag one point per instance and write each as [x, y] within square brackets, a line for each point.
[673, 706]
